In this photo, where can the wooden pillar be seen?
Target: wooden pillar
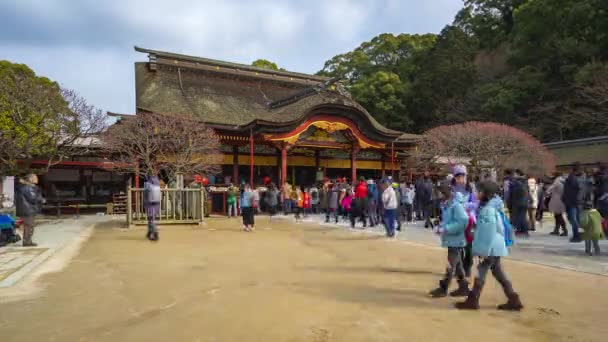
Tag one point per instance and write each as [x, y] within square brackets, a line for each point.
[235, 165]
[317, 160]
[283, 165]
[393, 161]
[353, 164]
[383, 166]
[251, 157]
[137, 175]
[136, 183]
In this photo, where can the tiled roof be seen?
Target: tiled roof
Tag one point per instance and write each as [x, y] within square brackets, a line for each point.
[236, 95]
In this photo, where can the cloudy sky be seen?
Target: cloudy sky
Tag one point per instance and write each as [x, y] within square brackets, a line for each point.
[87, 45]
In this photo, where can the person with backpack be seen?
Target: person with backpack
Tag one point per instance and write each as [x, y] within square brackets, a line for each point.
[452, 227]
[489, 244]
[519, 199]
[152, 197]
[573, 198]
[231, 201]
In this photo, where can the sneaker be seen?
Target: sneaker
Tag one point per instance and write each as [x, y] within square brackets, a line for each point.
[576, 239]
[29, 244]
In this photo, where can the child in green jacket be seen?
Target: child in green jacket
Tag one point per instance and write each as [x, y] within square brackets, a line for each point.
[591, 223]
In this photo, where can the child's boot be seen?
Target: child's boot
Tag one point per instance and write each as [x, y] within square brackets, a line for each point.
[588, 247]
[441, 291]
[513, 303]
[472, 301]
[462, 290]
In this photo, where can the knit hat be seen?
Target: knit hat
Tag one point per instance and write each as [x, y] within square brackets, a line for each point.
[459, 170]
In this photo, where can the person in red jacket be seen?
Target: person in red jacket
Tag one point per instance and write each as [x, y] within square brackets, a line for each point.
[359, 203]
[306, 202]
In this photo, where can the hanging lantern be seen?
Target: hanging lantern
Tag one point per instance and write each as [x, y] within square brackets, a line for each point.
[205, 181]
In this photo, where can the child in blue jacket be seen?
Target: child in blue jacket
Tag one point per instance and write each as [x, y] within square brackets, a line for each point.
[489, 244]
[454, 221]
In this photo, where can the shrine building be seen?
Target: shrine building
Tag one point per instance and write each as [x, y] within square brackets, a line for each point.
[284, 125]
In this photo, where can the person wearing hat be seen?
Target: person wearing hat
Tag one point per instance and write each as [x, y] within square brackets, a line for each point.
[389, 203]
[460, 185]
[454, 220]
[489, 244]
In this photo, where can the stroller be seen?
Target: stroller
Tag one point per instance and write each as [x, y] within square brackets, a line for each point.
[7, 230]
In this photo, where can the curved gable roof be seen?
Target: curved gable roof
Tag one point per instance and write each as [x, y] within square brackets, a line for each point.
[236, 96]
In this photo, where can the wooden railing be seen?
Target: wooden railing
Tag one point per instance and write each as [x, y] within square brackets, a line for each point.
[177, 206]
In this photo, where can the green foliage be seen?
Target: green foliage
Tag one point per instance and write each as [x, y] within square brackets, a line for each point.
[33, 115]
[533, 64]
[265, 64]
[379, 74]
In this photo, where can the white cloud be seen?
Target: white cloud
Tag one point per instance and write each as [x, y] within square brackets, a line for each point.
[343, 19]
[87, 45]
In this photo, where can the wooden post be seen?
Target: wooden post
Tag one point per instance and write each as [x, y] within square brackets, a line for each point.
[129, 207]
[393, 161]
[251, 157]
[202, 218]
[235, 165]
[353, 163]
[137, 184]
[283, 165]
[383, 162]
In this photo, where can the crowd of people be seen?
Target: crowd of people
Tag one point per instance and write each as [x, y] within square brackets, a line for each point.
[370, 202]
[473, 218]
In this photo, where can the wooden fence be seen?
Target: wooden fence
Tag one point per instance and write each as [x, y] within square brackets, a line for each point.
[177, 206]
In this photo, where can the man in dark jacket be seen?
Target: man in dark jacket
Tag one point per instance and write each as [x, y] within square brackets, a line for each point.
[28, 201]
[519, 199]
[575, 191]
[426, 200]
[602, 191]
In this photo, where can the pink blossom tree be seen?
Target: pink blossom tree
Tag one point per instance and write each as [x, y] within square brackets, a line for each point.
[484, 145]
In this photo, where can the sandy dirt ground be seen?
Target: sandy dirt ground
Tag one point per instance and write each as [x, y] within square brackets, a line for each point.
[288, 282]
